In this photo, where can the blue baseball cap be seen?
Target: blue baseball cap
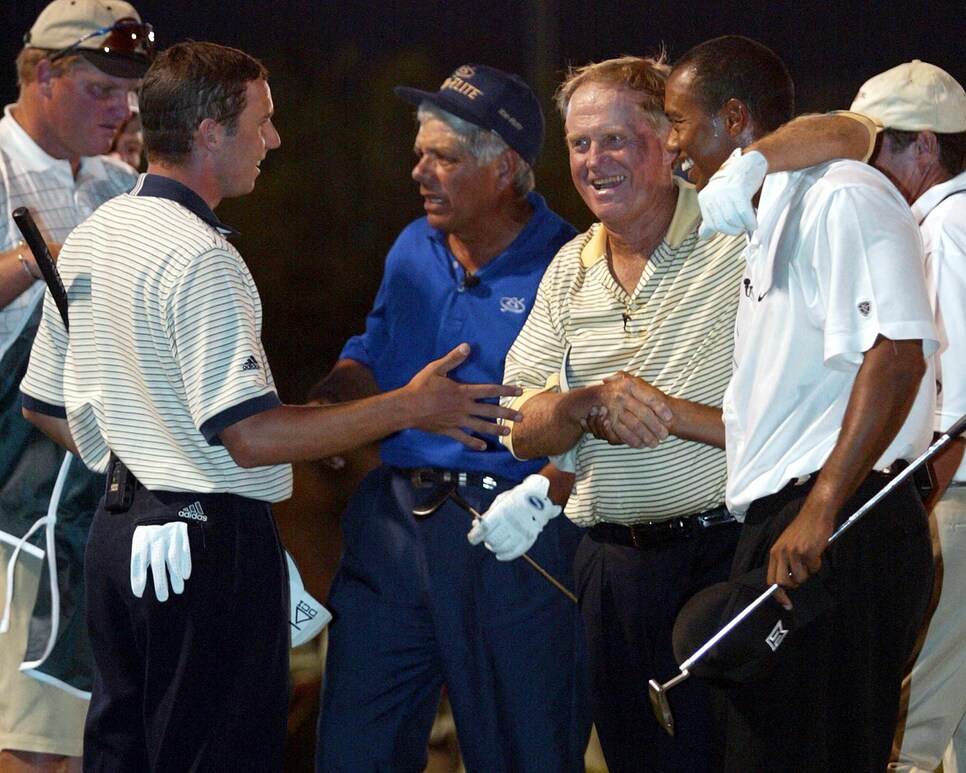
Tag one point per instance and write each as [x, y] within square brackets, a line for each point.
[492, 99]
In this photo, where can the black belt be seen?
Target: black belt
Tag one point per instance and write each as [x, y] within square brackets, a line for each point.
[647, 535]
[427, 477]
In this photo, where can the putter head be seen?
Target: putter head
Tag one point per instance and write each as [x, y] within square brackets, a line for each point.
[434, 500]
[662, 709]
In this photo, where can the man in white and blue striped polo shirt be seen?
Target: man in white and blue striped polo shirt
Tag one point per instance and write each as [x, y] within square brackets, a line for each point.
[163, 383]
[640, 297]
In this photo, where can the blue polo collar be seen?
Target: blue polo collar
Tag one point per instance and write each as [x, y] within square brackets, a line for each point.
[163, 187]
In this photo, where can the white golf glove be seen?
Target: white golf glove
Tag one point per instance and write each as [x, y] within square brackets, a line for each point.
[726, 200]
[306, 615]
[511, 525]
[165, 548]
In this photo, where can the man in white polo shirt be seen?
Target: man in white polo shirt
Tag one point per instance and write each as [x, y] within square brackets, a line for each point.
[832, 391]
[78, 65]
[163, 383]
[920, 113]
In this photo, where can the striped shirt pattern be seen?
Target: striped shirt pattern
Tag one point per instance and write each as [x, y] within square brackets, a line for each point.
[675, 331]
[56, 200]
[165, 335]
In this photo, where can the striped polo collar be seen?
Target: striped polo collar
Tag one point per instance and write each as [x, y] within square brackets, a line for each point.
[687, 216]
[162, 187]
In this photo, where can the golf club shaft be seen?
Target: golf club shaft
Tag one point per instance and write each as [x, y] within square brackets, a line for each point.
[549, 577]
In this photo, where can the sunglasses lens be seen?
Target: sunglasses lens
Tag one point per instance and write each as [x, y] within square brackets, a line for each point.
[129, 36]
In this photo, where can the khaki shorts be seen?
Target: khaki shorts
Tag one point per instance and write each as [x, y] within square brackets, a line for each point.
[34, 716]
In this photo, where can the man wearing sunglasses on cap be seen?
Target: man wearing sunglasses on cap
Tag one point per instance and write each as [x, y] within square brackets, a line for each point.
[80, 61]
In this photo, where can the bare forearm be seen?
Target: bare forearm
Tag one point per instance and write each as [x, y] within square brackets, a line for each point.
[16, 276]
[697, 422]
[561, 484]
[56, 429]
[551, 423]
[348, 380]
[881, 398]
[813, 139]
[295, 433]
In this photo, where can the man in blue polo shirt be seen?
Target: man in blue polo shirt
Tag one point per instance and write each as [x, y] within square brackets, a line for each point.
[415, 605]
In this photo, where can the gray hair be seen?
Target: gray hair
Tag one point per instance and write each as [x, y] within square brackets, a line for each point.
[484, 145]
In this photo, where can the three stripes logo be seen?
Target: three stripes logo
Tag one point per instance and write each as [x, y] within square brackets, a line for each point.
[251, 364]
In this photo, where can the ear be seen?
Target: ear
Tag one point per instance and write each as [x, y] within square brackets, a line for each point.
[210, 134]
[44, 75]
[737, 117]
[505, 167]
[927, 147]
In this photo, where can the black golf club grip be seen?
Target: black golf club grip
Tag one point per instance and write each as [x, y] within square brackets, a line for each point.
[45, 261]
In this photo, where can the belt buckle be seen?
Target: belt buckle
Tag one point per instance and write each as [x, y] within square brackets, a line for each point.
[633, 529]
[423, 477]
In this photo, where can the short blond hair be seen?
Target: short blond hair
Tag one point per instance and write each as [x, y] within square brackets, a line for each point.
[27, 61]
[643, 74]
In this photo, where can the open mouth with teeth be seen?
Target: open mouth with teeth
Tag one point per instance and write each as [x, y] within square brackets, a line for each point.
[604, 183]
[687, 164]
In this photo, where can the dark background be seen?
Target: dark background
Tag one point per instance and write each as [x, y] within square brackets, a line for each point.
[333, 197]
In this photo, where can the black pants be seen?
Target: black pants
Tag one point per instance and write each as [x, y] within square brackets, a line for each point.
[629, 599]
[831, 703]
[199, 682]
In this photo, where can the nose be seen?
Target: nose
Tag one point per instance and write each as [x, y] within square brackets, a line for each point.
[420, 170]
[596, 153]
[672, 143]
[272, 137]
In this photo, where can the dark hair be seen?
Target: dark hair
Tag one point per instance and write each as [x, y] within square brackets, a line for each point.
[736, 67]
[188, 83]
[952, 148]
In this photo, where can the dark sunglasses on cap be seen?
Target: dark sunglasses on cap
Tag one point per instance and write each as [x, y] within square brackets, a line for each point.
[126, 36]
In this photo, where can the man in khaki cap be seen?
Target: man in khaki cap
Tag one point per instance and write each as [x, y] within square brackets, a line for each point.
[918, 133]
[80, 61]
[921, 113]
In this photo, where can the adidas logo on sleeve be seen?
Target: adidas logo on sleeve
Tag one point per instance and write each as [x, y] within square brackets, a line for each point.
[251, 364]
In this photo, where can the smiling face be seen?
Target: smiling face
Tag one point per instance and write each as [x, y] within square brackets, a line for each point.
[241, 151]
[85, 109]
[618, 162]
[696, 137]
[458, 192]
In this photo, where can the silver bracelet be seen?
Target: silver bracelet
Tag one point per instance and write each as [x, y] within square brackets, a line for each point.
[24, 264]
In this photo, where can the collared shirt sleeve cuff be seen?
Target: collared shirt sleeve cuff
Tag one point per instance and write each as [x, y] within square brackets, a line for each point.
[553, 385]
[39, 406]
[211, 428]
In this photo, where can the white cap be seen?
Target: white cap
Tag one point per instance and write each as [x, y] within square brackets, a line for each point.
[65, 23]
[915, 96]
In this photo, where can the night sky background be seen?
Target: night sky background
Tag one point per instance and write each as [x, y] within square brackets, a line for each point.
[331, 200]
[333, 197]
